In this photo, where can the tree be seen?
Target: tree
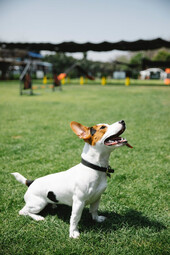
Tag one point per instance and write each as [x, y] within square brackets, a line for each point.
[137, 59]
[162, 55]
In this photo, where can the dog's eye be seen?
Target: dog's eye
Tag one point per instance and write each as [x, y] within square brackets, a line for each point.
[102, 127]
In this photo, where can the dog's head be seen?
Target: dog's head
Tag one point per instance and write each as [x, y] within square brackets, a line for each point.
[102, 134]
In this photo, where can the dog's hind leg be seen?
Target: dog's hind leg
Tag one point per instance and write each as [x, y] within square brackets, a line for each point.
[32, 208]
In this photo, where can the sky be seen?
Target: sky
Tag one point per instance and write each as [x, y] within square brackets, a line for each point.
[81, 21]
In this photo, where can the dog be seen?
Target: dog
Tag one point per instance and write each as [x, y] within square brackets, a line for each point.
[82, 184]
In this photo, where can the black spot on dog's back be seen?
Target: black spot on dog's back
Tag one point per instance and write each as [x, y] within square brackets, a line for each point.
[52, 196]
[28, 182]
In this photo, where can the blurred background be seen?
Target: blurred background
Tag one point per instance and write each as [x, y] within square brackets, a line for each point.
[49, 49]
[57, 22]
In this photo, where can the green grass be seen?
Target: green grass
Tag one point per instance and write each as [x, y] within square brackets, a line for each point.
[35, 140]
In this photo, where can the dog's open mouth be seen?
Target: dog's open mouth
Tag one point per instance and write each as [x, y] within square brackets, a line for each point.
[116, 139]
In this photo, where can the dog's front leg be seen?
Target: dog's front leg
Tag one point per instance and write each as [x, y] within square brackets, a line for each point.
[76, 213]
[94, 211]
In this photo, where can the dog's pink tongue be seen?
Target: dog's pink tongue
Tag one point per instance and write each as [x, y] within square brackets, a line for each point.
[128, 145]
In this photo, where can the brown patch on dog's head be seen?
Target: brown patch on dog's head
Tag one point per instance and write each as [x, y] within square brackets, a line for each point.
[90, 135]
[98, 133]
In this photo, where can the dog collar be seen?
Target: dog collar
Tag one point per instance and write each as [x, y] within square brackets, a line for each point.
[107, 170]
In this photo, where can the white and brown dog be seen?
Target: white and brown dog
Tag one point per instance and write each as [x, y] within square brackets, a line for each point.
[82, 184]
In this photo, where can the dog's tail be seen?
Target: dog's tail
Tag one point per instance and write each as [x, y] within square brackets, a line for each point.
[20, 178]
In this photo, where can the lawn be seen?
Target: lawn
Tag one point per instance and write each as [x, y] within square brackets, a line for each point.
[36, 139]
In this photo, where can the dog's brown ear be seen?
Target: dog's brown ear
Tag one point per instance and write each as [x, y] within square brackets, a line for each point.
[80, 130]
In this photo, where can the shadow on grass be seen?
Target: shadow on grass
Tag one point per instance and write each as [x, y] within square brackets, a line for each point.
[27, 94]
[114, 221]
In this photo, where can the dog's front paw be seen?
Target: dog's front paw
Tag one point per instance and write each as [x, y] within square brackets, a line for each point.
[100, 218]
[38, 218]
[74, 234]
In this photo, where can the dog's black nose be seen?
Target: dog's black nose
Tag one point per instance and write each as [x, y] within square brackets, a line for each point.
[122, 122]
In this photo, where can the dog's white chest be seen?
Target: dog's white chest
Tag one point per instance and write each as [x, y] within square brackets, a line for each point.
[88, 184]
[96, 189]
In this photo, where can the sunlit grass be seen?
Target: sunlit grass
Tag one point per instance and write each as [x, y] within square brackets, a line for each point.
[36, 140]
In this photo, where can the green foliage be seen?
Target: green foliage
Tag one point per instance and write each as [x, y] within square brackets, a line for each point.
[36, 140]
[61, 62]
[136, 59]
[162, 55]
